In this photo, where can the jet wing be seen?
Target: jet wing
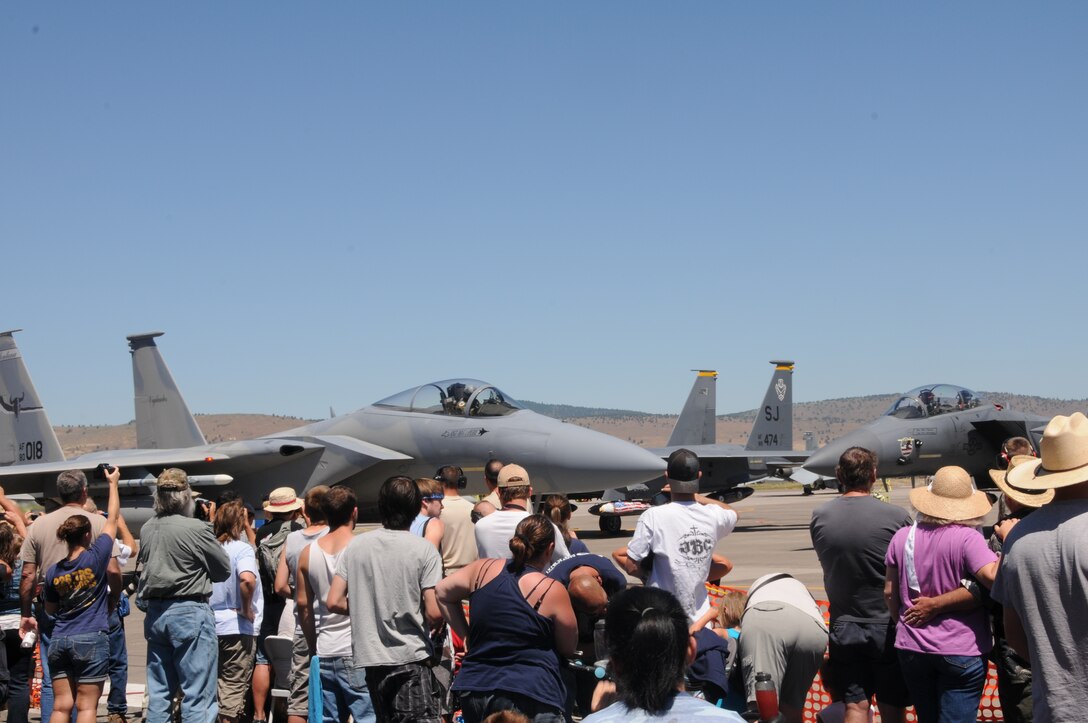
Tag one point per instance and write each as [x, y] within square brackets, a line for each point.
[733, 451]
[343, 456]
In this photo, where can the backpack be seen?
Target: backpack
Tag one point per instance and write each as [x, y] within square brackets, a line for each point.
[269, 550]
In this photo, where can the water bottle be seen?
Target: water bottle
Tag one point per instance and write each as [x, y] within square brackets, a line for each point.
[29, 640]
[600, 647]
[766, 697]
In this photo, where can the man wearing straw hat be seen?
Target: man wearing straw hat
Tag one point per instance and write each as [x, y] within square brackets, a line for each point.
[1013, 670]
[1043, 578]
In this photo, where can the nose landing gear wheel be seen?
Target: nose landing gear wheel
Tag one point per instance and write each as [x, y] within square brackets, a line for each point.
[610, 524]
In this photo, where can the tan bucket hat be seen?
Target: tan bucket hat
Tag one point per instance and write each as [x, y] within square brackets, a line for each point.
[1064, 456]
[951, 496]
[283, 499]
[1028, 498]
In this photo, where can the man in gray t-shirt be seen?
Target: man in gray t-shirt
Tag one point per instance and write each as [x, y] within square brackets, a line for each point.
[385, 583]
[1043, 578]
[851, 536]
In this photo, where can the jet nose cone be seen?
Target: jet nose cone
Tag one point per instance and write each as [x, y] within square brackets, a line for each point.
[824, 460]
[583, 460]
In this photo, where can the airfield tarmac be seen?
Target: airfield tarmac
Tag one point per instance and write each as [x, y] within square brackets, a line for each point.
[771, 536]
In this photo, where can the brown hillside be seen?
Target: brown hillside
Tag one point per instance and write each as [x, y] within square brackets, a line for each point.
[216, 428]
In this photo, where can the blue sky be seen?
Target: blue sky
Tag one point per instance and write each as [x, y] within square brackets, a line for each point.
[325, 203]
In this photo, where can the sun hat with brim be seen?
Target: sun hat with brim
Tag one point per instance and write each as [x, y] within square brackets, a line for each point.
[283, 499]
[1028, 498]
[951, 496]
[1063, 460]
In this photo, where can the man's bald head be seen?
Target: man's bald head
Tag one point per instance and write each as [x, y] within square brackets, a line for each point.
[586, 594]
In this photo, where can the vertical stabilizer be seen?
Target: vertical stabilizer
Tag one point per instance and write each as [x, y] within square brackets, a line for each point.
[696, 424]
[773, 428]
[25, 432]
[163, 420]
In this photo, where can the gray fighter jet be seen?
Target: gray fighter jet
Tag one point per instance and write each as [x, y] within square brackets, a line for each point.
[26, 436]
[769, 451]
[930, 427]
[456, 421]
[725, 467]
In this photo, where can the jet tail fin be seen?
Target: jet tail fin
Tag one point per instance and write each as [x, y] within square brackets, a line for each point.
[25, 432]
[696, 424]
[773, 428]
[163, 420]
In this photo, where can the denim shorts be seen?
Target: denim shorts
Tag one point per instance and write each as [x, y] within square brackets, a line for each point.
[81, 658]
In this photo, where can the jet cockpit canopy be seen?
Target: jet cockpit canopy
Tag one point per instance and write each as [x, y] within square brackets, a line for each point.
[933, 399]
[456, 397]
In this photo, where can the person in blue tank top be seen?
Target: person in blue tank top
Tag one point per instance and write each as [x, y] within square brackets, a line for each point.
[75, 594]
[522, 629]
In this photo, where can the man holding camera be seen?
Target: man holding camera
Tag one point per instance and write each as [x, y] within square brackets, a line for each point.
[180, 559]
[42, 549]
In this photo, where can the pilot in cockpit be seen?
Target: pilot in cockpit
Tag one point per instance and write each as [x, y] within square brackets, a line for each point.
[457, 396]
[929, 401]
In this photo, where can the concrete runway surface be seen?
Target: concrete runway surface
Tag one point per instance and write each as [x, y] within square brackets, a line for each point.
[771, 536]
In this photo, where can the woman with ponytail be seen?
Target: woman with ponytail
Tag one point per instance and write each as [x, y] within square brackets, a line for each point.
[649, 650]
[522, 628]
[558, 509]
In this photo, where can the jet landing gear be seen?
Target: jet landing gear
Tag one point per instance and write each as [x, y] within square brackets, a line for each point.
[610, 524]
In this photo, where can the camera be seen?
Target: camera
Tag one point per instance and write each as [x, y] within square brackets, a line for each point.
[202, 506]
[102, 470]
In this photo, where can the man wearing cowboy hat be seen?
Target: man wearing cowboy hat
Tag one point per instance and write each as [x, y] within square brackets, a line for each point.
[1013, 671]
[1043, 578]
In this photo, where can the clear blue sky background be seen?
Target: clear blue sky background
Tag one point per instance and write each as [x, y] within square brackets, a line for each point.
[325, 203]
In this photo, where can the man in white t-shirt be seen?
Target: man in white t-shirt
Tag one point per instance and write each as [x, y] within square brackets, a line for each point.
[493, 532]
[673, 544]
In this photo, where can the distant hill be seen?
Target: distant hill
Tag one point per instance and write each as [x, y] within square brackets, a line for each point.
[828, 419]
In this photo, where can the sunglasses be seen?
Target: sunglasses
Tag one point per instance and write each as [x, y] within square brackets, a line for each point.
[434, 498]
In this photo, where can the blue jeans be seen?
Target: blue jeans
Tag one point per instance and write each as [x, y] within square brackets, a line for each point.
[945, 688]
[117, 702]
[344, 692]
[182, 654]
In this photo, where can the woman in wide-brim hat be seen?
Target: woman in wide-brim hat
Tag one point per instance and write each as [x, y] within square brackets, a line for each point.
[944, 657]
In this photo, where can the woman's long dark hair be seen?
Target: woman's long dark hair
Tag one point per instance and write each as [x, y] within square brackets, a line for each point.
[647, 634]
[532, 537]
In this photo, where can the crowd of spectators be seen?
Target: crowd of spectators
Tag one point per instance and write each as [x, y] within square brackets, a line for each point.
[493, 612]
